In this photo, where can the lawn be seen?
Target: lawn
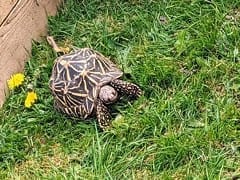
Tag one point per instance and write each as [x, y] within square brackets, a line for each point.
[184, 54]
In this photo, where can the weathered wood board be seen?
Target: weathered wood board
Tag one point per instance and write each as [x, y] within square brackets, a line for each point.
[5, 8]
[21, 21]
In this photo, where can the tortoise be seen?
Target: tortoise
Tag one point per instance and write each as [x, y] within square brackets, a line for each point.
[84, 83]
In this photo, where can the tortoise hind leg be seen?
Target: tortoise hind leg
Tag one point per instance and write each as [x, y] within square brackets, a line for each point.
[103, 115]
[126, 88]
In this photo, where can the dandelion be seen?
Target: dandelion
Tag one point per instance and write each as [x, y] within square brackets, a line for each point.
[30, 99]
[15, 81]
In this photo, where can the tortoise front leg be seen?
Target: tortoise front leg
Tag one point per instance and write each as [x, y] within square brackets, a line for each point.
[103, 115]
[127, 88]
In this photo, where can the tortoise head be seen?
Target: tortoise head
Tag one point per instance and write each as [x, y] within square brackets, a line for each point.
[108, 94]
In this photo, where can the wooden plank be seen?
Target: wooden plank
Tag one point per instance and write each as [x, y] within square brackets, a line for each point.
[5, 8]
[25, 21]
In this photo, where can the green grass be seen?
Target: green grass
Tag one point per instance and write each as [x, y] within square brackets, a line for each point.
[184, 54]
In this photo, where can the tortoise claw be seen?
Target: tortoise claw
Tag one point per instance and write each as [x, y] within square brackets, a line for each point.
[103, 115]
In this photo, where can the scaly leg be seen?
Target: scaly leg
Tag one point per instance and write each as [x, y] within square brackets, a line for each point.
[103, 115]
[126, 88]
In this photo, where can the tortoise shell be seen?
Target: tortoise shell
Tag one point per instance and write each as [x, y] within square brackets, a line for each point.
[77, 78]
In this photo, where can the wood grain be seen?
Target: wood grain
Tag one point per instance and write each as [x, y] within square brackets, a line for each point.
[25, 21]
[5, 8]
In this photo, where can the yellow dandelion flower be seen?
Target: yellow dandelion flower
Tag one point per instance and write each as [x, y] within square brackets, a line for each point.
[30, 99]
[15, 81]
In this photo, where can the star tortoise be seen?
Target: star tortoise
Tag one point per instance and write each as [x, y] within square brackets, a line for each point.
[84, 83]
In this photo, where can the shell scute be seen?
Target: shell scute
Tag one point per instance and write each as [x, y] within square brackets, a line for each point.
[76, 79]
